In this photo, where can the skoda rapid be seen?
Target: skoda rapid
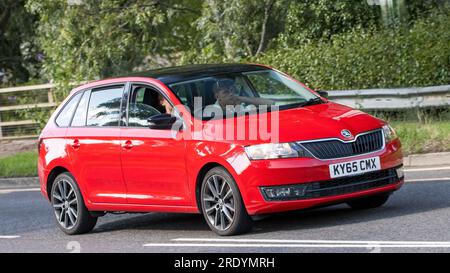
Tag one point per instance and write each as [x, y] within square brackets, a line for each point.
[152, 142]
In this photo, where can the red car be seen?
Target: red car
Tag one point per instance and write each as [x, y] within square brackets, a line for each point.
[153, 142]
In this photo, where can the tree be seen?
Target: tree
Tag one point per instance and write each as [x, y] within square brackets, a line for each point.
[417, 9]
[89, 39]
[236, 29]
[93, 39]
[19, 56]
[320, 19]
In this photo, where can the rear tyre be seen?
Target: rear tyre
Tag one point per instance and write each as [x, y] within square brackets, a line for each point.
[222, 204]
[369, 202]
[71, 214]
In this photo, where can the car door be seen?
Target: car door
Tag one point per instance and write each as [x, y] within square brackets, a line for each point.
[93, 141]
[153, 162]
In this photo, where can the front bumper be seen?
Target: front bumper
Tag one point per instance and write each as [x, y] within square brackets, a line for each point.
[322, 189]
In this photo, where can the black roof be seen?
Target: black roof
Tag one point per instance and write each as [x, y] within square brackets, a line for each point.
[175, 74]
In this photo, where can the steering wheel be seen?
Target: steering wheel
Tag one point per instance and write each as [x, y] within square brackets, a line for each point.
[214, 108]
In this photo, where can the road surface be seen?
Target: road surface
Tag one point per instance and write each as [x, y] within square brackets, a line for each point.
[415, 219]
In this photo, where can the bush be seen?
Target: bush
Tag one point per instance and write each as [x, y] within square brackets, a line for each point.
[418, 56]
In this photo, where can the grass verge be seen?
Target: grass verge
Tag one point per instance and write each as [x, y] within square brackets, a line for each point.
[19, 165]
[420, 138]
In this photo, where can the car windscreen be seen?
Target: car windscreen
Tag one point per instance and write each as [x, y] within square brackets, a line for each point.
[237, 93]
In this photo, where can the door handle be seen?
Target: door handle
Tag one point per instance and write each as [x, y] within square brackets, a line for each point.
[128, 144]
[76, 144]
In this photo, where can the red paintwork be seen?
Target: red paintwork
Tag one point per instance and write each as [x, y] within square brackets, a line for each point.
[160, 174]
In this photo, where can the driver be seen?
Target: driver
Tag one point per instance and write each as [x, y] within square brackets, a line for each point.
[165, 103]
[225, 94]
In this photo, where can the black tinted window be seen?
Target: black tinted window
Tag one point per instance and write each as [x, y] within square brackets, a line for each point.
[65, 116]
[104, 106]
[79, 118]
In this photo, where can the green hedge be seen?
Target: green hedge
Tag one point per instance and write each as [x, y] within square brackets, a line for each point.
[410, 56]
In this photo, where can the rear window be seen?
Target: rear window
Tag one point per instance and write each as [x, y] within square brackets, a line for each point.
[65, 116]
[104, 106]
[79, 118]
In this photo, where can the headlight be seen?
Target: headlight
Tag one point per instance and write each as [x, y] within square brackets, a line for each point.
[275, 150]
[389, 133]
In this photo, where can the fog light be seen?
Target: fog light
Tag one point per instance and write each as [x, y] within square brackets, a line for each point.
[400, 172]
[284, 192]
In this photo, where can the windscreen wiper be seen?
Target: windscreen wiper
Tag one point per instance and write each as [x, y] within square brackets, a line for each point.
[312, 101]
[302, 104]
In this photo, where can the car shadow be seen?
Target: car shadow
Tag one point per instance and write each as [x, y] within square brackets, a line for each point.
[413, 198]
[153, 221]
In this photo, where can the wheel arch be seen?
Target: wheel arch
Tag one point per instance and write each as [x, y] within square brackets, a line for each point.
[198, 181]
[51, 178]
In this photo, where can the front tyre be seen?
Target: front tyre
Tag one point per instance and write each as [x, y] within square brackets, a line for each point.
[70, 212]
[369, 202]
[222, 204]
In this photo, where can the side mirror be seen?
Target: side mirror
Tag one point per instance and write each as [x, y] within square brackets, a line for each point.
[161, 122]
[322, 93]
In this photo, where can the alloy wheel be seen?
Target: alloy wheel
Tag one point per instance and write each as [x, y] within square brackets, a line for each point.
[219, 202]
[65, 204]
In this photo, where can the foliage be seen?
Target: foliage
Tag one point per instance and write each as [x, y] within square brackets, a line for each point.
[308, 39]
[327, 44]
[320, 19]
[92, 39]
[372, 58]
[235, 29]
[19, 55]
[419, 9]
[97, 39]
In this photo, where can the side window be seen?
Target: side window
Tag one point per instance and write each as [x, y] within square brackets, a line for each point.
[65, 116]
[79, 119]
[183, 94]
[144, 103]
[104, 106]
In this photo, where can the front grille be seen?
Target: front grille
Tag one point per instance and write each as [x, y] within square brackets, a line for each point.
[345, 185]
[329, 149]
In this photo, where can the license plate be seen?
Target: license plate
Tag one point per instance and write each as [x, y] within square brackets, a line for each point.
[355, 167]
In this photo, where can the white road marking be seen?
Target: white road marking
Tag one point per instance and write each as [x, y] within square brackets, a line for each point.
[427, 169]
[305, 241]
[18, 190]
[428, 179]
[9, 236]
[297, 245]
[276, 243]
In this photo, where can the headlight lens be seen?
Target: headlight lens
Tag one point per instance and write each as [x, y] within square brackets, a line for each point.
[275, 150]
[389, 133]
